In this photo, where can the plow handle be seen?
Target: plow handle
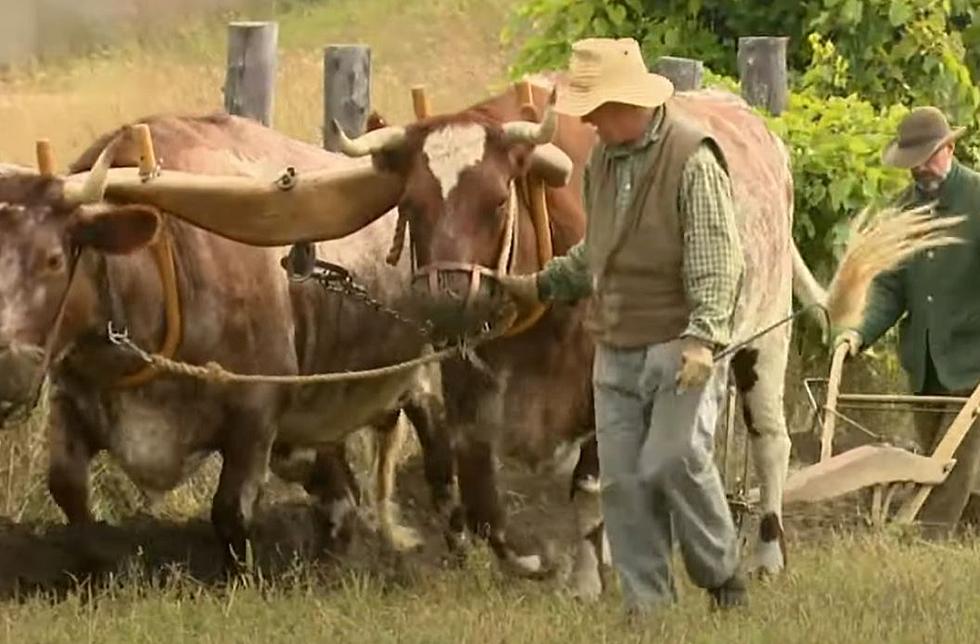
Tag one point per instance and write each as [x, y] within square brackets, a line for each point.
[830, 405]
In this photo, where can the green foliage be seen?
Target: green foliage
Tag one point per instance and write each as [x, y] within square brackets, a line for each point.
[835, 144]
[910, 52]
[703, 29]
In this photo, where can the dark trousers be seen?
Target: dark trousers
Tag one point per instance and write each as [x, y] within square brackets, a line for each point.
[953, 500]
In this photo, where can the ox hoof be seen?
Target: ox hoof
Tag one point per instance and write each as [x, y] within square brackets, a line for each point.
[529, 566]
[402, 538]
[586, 587]
[767, 560]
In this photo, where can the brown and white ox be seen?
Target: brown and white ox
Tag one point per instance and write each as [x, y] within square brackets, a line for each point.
[237, 308]
[458, 173]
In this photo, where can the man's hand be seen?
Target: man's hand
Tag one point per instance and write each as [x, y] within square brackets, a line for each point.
[523, 288]
[851, 338]
[696, 364]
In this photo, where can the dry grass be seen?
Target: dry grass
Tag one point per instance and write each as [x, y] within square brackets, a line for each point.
[184, 72]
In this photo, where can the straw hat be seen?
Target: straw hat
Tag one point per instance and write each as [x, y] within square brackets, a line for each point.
[920, 135]
[605, 70]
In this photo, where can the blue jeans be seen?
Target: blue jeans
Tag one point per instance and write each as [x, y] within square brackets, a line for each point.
[658, 477]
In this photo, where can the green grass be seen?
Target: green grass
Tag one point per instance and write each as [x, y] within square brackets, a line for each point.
[848, 589]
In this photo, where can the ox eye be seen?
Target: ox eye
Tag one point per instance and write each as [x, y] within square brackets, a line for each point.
[55, 262]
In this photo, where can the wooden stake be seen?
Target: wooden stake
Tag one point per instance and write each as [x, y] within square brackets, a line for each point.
[45, 158]
[148, 158]
[420, 102]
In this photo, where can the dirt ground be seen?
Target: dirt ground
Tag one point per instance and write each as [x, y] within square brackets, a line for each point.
[55, 557]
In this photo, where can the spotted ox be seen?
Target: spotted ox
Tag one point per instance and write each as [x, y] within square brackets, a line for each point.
[237, 308]
[461, 175]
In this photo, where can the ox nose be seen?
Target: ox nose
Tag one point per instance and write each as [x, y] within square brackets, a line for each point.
[20, 371]
[456, 304]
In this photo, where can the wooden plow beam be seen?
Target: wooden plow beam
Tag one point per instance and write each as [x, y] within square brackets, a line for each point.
[884, 467]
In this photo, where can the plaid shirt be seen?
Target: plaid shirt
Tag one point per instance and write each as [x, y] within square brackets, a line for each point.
[713, 264]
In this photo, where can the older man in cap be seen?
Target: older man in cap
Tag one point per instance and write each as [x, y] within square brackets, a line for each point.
[663, 261]
[936, 297]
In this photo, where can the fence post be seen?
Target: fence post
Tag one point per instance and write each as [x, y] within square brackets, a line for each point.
[762, 71]
[250, 79]
[346, 91]
[684, 73]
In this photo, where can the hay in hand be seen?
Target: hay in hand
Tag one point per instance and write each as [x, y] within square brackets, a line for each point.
[878, 243]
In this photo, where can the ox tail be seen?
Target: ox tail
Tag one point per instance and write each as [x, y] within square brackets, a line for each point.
[879, 242]
[807, 289]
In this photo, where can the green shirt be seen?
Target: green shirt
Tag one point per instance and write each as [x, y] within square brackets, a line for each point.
[935, 295]
[713, 261]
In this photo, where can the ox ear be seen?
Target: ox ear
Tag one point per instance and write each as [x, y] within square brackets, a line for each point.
[115, 230]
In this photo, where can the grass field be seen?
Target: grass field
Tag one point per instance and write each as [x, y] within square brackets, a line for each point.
[889, 587]
[849, 589]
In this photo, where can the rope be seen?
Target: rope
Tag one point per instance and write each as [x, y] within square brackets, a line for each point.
[398, 242]
[213, 372]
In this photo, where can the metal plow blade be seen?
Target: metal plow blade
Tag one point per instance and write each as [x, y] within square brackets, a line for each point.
[858, 468]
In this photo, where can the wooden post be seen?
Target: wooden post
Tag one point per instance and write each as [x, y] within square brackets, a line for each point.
[762, 71]
[347, 91]
[684, 73]
[250, 79]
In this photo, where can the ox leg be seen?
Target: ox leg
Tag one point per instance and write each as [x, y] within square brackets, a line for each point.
[246, 457]
[591, 552]
[332, 484]
[69, 456]
[391, 436]
[485, 514]
[759, 374]
[437, 454]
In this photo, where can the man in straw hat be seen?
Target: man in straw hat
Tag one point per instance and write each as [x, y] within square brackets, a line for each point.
[663, 261]
[936, 293]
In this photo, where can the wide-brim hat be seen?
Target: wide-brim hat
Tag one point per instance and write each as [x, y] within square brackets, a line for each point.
[604, 70]
[920, 134]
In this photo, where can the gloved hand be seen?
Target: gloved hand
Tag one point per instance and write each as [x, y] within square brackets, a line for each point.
[851, 338]
[696, 364]
[523, 288]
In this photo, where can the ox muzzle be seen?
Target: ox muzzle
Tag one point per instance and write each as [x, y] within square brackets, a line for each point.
[21, 374]
[461, 298]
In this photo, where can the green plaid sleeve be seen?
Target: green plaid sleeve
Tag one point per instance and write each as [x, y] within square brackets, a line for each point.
[713, 264]
[566, 278]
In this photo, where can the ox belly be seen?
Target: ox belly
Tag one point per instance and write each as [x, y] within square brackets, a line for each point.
[330, 412]
[159, 445]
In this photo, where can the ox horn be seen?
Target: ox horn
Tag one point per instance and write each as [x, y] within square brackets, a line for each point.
[372, 142]
[96, 179]
[533, 133]
[549, 163]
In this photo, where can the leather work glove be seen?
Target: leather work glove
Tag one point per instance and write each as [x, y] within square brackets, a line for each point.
[696, 364]
[523, 288]
[851, 338]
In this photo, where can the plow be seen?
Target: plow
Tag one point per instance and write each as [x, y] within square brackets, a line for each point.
[885, 469]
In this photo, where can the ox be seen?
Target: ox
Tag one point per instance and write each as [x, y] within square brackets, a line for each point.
[72, 261]
[462, 177]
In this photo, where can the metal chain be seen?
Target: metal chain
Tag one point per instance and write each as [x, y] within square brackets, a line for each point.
[338, 280]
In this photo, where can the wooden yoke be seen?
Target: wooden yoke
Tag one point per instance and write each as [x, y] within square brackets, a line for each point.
[164, 258]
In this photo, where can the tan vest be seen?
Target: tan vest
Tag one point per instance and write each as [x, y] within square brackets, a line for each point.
[639, 296]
